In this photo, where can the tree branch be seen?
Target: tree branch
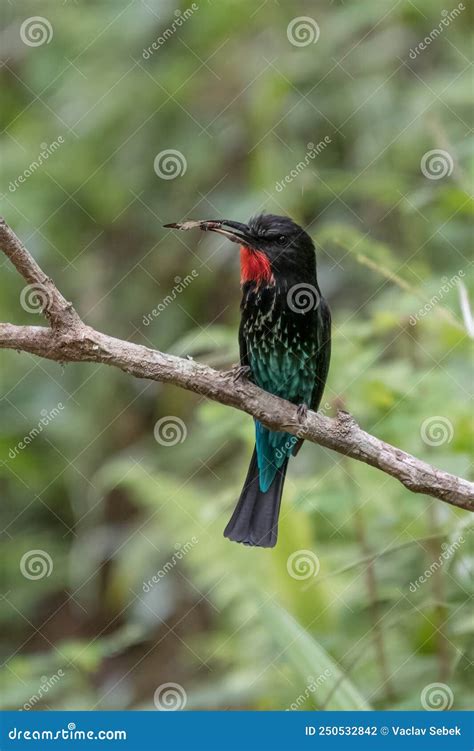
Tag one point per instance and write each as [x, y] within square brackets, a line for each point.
[70, 340]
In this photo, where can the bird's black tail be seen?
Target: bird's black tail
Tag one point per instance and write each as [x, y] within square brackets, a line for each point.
[255, 518]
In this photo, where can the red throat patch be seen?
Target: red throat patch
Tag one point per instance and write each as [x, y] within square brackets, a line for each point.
[254, 266]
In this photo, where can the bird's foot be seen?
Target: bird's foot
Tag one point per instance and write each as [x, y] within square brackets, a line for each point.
[302, 412]
[239, 373]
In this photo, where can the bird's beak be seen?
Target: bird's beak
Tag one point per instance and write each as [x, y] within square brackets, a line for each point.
[234, 231]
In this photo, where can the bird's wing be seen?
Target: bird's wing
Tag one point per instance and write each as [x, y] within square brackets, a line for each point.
[323, 333]
[244, 357]
[323, 356]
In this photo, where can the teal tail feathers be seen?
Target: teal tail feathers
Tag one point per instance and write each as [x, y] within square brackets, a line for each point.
[273, 450]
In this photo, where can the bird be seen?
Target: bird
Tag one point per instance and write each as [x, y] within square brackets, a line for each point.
[285, 349]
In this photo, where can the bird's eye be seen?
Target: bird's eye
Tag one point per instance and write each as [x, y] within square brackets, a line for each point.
[282, 240]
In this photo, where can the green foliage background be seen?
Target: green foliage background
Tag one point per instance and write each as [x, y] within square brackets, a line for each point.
[109, 504]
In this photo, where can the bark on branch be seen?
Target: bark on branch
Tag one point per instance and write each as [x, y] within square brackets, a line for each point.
[69, 339]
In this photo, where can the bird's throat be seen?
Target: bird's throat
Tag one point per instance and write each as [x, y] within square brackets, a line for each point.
[255, 267]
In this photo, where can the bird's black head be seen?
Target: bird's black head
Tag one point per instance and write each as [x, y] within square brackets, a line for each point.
[287, 246]
[272, 247]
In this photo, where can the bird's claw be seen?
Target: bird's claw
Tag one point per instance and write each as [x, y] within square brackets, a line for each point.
[302, 412]
[239, 372]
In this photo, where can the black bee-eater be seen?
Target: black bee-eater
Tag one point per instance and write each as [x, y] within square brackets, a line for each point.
[285, 347]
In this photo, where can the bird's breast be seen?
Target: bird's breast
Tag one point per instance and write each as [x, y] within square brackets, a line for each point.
[281, 344]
